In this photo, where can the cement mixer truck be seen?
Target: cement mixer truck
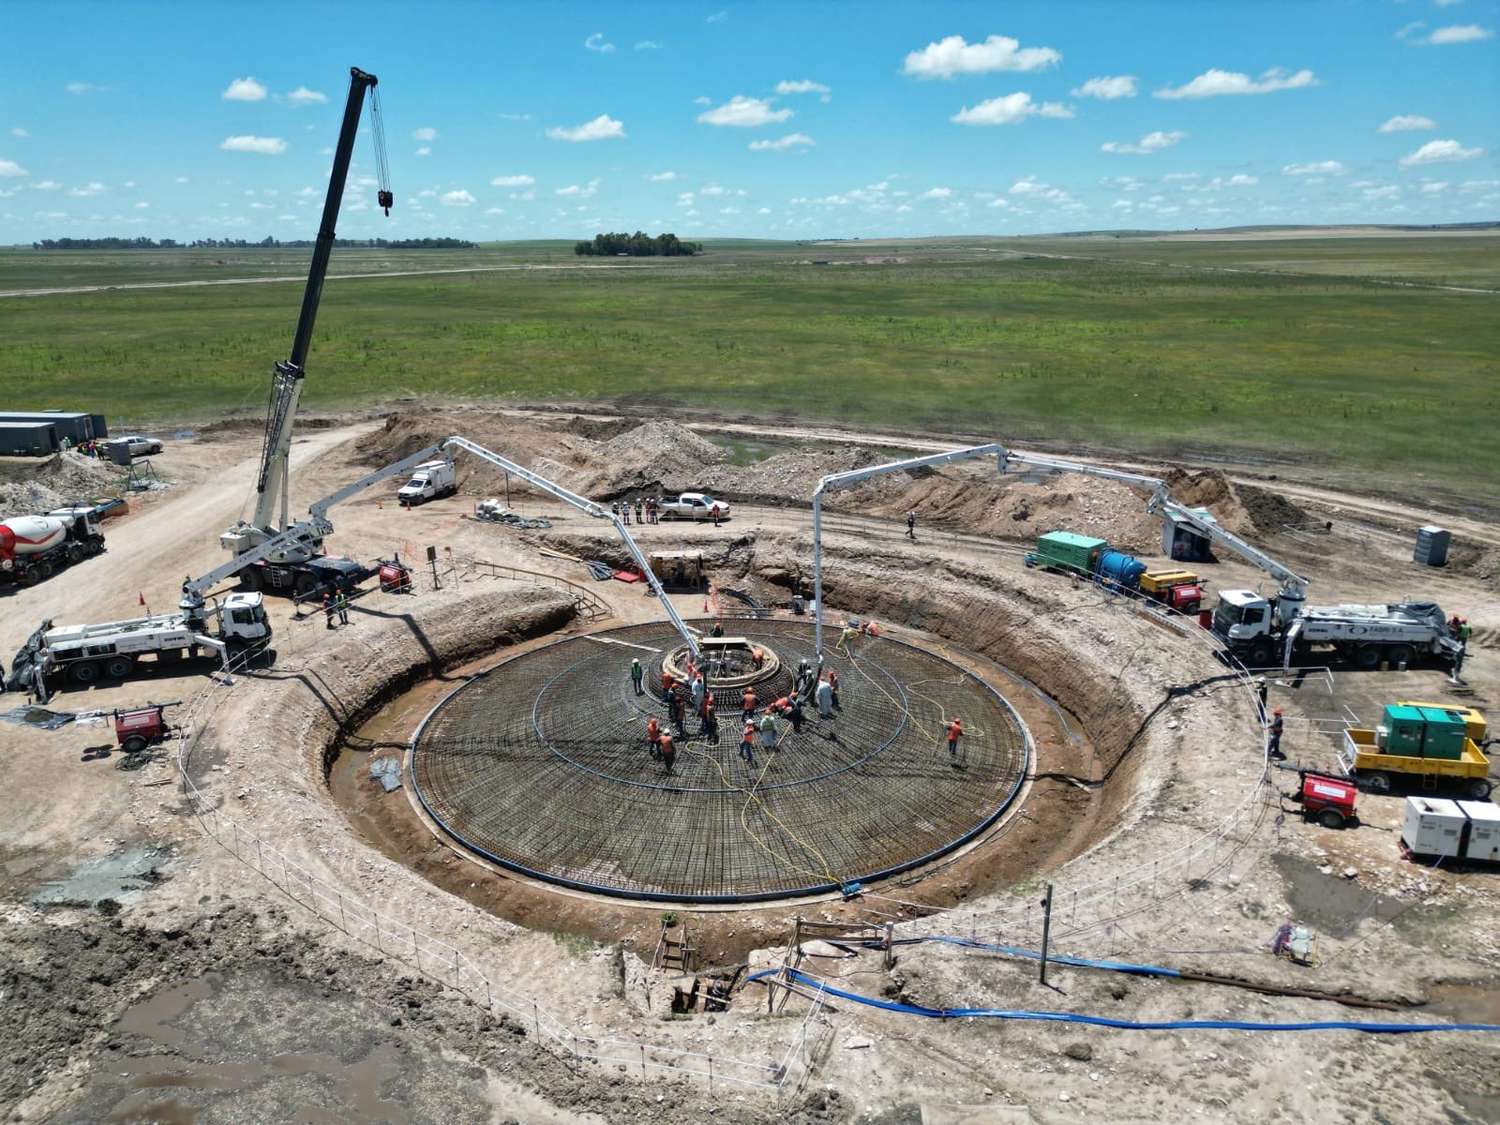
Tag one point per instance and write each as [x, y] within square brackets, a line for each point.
[33, 548]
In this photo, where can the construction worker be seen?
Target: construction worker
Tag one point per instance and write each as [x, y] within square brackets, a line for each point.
[794, 712]
[717, 630]
[668, 750]
[675, 708]
[715, 512]
[1453, 623]
[637, 677]
[911, 524]
[749, 703]
[1465, 631]
[833, 687]
[667, 683]
[824, 697]
[639, 518]
[757, 657]
[328, 608]
[341, 603]
[1276, 726]
[955, 732]
[653, 738]
[700, 691]
[768, 731]
[849, 633]
[710, 727]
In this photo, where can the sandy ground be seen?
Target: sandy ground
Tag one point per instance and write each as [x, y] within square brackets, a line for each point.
[198, 989]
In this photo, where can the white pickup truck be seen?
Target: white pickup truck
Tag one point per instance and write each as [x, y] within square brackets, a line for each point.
[692, 506]
[429, 480]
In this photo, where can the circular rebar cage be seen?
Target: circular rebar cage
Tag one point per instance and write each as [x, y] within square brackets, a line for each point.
[543, 765]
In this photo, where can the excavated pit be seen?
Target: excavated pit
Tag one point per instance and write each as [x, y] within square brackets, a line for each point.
[543, 767]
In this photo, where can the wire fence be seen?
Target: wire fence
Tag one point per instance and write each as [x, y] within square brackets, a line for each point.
[449, 966]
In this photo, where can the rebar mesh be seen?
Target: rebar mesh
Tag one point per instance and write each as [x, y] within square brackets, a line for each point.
[542, 766]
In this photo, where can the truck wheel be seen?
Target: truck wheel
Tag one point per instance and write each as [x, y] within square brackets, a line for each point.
[1399, 655]
[1331, 818]
[42, 571]
[1261, 654]
[250, 579]
[84, 672]
[118, 667]
[134, 744]
[1479, 789]
[75, 553]
[1378, 782]
[1367, 657]
[96, 544]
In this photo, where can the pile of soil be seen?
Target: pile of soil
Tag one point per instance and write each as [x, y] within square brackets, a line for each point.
[788, 477]
[66, 478]
[653, 456]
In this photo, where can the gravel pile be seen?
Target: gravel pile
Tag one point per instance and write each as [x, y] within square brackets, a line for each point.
[66, 478]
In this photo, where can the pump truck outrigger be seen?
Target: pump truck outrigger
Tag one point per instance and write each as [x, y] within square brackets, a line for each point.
[299, 567]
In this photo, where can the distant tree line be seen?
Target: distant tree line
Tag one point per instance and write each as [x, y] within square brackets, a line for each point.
[241, 244]
[637, 245]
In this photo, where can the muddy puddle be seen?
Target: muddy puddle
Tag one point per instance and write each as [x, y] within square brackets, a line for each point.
[119, 879]
[1331, 904]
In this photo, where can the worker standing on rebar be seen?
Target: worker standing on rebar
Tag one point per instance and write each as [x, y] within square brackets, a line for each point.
[824, 697]
[677, 708]
[955, 732]
[749, 703]
[718, 629]
[668, 750]
[699, 689]
[1276, 726]
[833, 688]
[747, 742]
[710, 728]
[637, 676]
[768, 731]
[666, 686]
[653, 738]
[794, 712]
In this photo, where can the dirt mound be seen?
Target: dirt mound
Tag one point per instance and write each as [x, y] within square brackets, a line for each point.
[653, 456]
[1271, 511]
[788, 477]
[64, 479]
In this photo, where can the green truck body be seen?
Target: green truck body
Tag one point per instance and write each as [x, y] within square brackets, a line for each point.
[1423, 732]
[1065, 550]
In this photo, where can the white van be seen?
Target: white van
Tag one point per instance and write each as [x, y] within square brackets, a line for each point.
[429, 480]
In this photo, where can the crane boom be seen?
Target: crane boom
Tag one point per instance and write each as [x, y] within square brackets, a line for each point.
[286, 387]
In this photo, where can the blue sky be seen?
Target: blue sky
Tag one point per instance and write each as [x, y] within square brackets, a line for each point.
[781, 120]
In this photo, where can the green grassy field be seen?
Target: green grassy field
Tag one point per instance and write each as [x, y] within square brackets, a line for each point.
[1395, 384]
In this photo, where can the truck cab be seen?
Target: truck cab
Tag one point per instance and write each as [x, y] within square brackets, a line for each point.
[1243, 620]
[693, 506]
[242, 617]
[429, 480]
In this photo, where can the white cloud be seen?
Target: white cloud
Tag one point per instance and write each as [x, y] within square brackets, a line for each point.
[458, 198]
[742, 112]
[711, 190]
[186, 180]
[791, 140]
[948, 57]
[260, 206]
[1318, 168]
[1151, 142]
[1478, 185]
[1434, 187]
[602, 128]
[597, 42]
[1009, 109]
[1440, 152]
[648, 45]
[763, 211]
[10, 169]
[1107, 88]
[579, 191]
[425, 133]
[1389, 191]
[94, 187]
[1242, 180]
[662, 177]
[1404, 121]
[244, 90]
[514, 116]
[266, 146]
[19, 132]
[998, 201]
[425, 150]
[494, 210]
[1407, 30]
[521, 180]
[937, 193]
[303, 96]
[1034, 189]
[81, 88]
[717, 17]
[305, 192]
[1215, 83]
[801, 86]
[1461, 33]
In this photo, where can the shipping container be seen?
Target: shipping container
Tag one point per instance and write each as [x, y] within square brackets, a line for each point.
[28, 439]
[79, 428]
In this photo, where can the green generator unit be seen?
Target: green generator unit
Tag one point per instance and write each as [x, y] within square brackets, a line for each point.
[1063, 550]
[1423, 732]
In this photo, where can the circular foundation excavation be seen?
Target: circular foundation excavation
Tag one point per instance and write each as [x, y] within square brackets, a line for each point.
[542, 765]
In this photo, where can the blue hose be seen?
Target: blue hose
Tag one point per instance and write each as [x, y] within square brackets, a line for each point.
[1127, 1025]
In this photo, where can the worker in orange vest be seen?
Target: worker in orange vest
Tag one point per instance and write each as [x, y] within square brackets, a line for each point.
[653, 737]
[833, 686]
[955, 732]
[749, 704]
[666, 684]
[747, 742]
[710, 722]
[668, 749]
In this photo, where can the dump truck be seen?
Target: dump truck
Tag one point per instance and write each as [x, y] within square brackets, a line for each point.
[1429, 746]
[1181, 590]
[34, 548]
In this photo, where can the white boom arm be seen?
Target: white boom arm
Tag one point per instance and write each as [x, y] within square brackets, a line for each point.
[853, 476]
[314, 529]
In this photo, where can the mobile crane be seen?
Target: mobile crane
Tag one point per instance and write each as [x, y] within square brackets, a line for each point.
[297, 566]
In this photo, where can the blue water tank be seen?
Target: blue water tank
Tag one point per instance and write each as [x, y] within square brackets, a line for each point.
[1120, 569]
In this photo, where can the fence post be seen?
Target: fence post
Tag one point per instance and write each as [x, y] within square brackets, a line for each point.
[1046, 930]
[416, 950]
[643, 1060]
[536, 1020]
[343, 922]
